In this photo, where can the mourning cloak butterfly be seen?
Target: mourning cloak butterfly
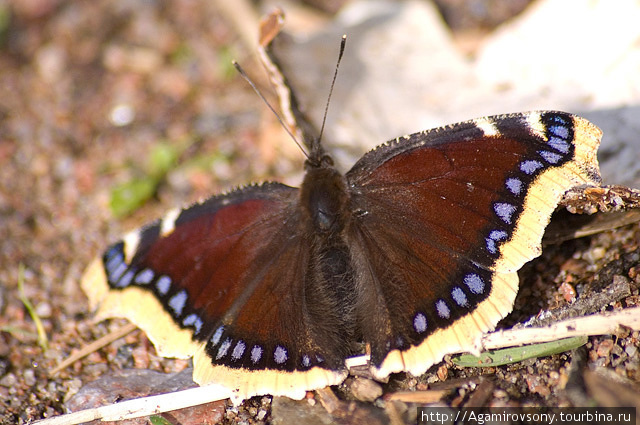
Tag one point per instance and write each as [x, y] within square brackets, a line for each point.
[414, 252]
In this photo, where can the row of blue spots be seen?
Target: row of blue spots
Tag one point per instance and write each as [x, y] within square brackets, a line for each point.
[120, 275]
[472, 281]
[280, 355]
[237, 351]
[559, 134]
[558, 139]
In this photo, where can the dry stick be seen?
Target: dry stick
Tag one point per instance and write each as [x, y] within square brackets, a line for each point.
[94, 346]
[596, 324]
[145, 406]
[422, 397]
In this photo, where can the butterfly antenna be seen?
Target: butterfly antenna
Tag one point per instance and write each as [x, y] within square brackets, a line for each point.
[343, 42]
[259, 93]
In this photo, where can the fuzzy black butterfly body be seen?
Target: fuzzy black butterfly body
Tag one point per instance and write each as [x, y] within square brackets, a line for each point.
[413, 252]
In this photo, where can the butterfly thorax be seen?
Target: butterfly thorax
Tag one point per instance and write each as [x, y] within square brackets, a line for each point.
[324, 197]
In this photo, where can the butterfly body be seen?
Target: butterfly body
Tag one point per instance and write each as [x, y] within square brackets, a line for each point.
[413, 252]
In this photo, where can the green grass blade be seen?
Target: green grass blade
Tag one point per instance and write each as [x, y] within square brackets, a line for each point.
[42, 335]
[517, 354]
[159, 420]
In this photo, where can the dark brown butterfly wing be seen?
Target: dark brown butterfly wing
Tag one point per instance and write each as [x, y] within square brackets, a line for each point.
[231, 282]
[444, 219]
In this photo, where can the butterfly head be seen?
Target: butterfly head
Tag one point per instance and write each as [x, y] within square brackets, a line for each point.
[324, 195]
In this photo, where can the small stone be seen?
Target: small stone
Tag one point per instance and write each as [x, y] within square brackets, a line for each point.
[50, 61]
[595, 254]
[601, 362]
[9, 380]
[631, 350]
[605, 347]
[53, 354]
[231, 412]
[43, 310]
[96, 370]
[616, 350]
[568, 292]
[122, 114]
[73, 387]
[499, 393]
[365, 389]
[29, 377]
[536, 385]
[443, 372]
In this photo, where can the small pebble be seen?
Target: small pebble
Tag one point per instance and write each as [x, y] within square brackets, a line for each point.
[595, 254]
[600, 362]
[122, 114]
[568, 292]
[9, 380]
[631, 350]
[443, 372]
[365, 389]
[50, 61]
[43, 310]
[605, 347]
[73, 387]
[29, 377]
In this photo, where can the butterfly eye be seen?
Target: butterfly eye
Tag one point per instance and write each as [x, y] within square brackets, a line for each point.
[326, 161]
[322, 161]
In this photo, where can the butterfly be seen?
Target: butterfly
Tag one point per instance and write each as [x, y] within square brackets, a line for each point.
[412, 254]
